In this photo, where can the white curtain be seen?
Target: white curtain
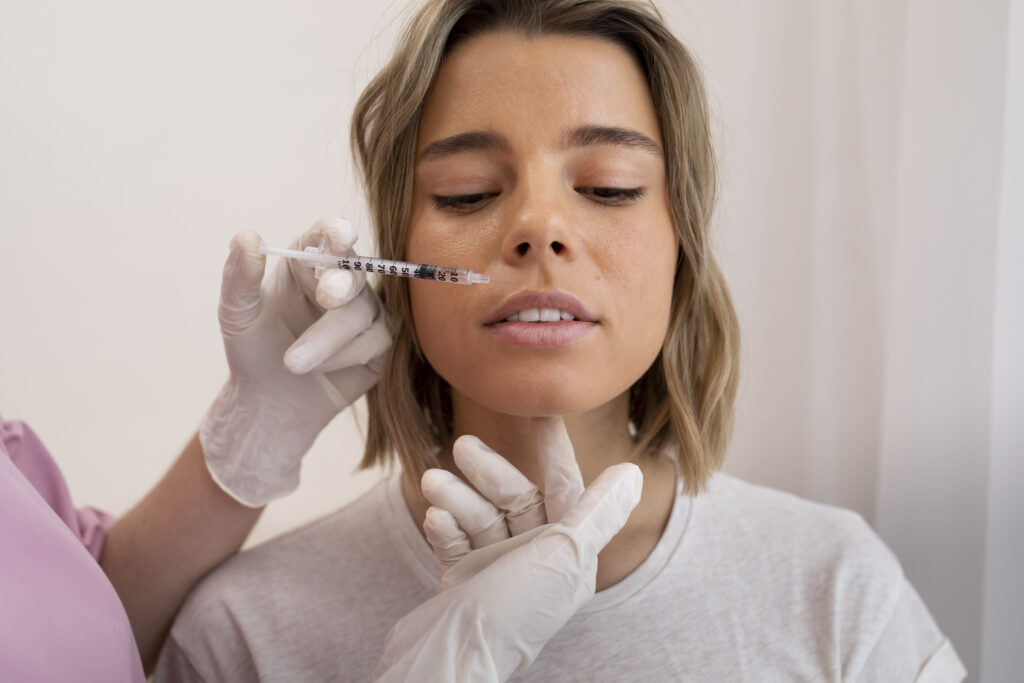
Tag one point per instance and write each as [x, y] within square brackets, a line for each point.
[871, 230]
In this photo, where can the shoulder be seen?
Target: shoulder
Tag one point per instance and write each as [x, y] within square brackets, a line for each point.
[784, 526]
[822, 571]
[266, 604]
[825, 558]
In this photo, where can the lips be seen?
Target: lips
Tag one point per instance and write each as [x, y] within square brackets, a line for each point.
[541, 335]
[554, 299]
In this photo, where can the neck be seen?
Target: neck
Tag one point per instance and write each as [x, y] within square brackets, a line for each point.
[600, 438]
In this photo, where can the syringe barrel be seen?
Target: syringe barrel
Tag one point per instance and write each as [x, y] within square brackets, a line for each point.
[319, 258]
[419, 271]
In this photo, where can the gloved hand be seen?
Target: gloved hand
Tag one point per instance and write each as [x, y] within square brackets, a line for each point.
[501, 603]
[299, 351]
[504, 503]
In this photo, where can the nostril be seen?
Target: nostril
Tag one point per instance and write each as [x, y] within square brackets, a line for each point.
[557, 247]
[523, 248]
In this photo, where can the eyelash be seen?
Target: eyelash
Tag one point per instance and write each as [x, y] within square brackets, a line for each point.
[610, 196]
[461, 202]
[614, 196]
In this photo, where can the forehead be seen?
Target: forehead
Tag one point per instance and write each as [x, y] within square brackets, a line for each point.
[537, 87]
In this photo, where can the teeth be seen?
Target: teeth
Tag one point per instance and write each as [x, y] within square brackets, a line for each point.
[540, 315]
[549, 315]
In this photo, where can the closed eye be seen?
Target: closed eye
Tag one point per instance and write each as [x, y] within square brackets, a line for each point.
[462, 202]
[613, 196]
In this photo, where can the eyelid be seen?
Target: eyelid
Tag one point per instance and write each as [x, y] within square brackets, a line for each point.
[612, 196]
[456, 202]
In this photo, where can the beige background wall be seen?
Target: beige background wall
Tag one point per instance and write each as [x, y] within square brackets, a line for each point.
[866, 226]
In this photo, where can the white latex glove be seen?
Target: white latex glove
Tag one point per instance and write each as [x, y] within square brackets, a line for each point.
[299, 351]
[504, 503]
[501, 603]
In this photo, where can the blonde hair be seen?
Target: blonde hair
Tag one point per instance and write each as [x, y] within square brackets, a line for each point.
[685, 399]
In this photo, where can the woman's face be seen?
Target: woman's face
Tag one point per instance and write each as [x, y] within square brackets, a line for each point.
[539, 162]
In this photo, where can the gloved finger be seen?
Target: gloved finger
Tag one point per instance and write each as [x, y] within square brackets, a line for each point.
[336, 287]
[484, 523]
[563, 483]
[240, 290]
[379, 364]
[371, 343]
[344, 387]
[604, 507]
[587, 527]
[501, 483]
[331, 332]
[449, 541]
[340, 235]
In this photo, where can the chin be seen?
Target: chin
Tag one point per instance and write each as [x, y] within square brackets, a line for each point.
[540, 398]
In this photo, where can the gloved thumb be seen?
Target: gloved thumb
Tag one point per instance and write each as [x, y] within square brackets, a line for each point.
[563, 483]
[240, 291]
[604, 507]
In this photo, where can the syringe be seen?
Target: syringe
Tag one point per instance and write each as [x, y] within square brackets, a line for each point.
[320, 258]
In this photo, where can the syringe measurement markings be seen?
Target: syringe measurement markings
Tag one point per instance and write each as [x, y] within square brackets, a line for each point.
[400, 269]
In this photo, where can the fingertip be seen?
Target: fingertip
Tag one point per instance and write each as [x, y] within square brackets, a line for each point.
[430, 481]
[243, 270]
[340, 233]
[246, 245]
[431, 520]
[437, 519]
[433, 527]
[633, 481]
[449, 542]
[626, 477]
[335, 288]
[299, 359]
[466, 444]
[248, 240]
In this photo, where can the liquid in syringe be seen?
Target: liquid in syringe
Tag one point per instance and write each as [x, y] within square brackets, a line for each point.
[319, 259]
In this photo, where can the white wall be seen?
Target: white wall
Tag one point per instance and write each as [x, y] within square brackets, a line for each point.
[135, 140]
[868, 224]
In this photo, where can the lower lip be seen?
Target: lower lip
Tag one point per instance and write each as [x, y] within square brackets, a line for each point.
[542, 335]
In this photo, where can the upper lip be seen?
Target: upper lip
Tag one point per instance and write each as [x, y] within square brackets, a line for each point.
[555, 298]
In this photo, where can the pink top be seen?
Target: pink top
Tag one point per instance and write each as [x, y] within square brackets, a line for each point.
[60, 618]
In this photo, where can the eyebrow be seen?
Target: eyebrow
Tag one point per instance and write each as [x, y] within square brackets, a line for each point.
[609, 135]
[473, 141]
[584, 136]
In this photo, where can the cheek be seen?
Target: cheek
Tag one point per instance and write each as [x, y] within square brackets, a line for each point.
[642, 277]
[439, 315]
[640, 266]
[430, 311]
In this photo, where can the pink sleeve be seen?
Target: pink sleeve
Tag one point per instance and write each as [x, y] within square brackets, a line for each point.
[30, 456]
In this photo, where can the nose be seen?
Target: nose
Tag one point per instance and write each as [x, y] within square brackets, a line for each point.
[540, 228]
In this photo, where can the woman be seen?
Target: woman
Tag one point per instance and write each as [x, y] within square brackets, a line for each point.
[561, 146]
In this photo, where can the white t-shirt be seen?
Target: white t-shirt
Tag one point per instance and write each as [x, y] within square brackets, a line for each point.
[746, 584]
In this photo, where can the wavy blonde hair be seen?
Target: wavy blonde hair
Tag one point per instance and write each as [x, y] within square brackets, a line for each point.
[685, 399]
